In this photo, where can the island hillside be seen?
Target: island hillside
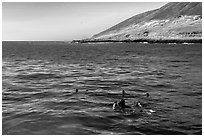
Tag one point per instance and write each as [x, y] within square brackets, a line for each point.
[174, 22]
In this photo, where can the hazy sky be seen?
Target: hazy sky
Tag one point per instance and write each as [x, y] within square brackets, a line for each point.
[65, 21]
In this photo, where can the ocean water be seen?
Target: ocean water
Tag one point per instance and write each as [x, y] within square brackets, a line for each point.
[40, 79]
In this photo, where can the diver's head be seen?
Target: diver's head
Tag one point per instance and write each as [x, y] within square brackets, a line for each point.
[122, 103]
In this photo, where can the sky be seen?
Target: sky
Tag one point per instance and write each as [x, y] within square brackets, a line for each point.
[65, 20]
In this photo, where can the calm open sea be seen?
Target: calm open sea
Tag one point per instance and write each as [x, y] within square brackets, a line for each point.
[39, 81]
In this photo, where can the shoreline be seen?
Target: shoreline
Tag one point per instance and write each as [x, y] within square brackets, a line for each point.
[140, 41]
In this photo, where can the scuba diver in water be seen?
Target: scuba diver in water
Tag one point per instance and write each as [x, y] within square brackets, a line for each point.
[136, 107]
[121, 104]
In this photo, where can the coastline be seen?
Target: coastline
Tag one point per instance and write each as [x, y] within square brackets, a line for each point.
[139, 41]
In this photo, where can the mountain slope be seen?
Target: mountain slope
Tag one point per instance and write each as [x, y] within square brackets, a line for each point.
[177, 20]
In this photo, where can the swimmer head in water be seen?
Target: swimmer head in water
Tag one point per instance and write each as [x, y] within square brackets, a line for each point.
[147, 94]
[122, 103]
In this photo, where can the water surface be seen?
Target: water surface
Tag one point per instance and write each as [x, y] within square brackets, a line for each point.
[39, 81]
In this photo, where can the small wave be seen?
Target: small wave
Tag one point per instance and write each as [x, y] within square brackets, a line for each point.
[171, 91]
[37, 76]
[20, 60]
[193, 93]
[42, 94]
[174, 66]
[179, 61]
[174, 76]
[161, 86]
[16, 99]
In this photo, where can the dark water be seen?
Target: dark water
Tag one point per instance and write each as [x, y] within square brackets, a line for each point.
[39, 82]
